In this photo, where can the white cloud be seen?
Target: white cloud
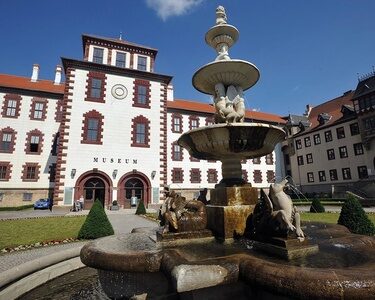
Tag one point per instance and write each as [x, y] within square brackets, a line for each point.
[168, 8]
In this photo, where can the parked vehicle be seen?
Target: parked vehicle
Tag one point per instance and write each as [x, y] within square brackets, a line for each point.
[42, 203]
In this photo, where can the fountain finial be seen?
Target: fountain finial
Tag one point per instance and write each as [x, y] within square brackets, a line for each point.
[221, 16]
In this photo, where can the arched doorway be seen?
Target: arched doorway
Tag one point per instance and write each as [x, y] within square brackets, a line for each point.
[131, 186]
[94, 185]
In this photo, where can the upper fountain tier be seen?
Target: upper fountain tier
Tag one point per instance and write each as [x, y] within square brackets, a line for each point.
[224, 70]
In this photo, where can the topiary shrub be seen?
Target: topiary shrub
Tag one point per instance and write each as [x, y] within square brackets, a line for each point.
[354, 217]
[96, 224]
[141, 210]
[316, 206]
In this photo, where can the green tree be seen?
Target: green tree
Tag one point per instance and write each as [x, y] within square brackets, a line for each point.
[141, 210]
[96, 224]
[354, 217]
[316, 206]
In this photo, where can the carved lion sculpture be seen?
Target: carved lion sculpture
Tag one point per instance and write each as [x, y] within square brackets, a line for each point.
[179, 215]
[275, 214]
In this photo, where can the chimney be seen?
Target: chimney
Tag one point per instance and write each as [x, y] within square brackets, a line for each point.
[309, 107]
[34, 76]
[58, 74]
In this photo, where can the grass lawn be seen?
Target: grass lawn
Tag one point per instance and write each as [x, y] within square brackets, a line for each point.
[326, 217]
[30, 231]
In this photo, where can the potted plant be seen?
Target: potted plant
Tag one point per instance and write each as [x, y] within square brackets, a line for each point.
[114, 205]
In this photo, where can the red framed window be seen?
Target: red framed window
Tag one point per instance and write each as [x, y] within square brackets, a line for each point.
[92, 130]
[257, 175]
[34, 142]
[176, 123]
[270, 176]
[212, 176]
[269, 159]
[11, 106]
[141, 93]
[7, 140]
[195, 175]
[177, 175]
[244, 175]
[177, 153]
[95, 86]
[38, 109]
[209, 121]
[140, 132]
[256, 160]
[193, 122]
[5, 170]
[30, 172]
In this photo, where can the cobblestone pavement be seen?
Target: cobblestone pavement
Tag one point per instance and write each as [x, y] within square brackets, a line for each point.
[123, 221]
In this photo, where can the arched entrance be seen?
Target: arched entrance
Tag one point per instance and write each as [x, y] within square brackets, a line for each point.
[131, 186]
[94, 185]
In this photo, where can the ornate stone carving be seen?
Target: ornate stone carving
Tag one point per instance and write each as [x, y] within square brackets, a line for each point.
[221, 16]
[179, 215]
[275, 215]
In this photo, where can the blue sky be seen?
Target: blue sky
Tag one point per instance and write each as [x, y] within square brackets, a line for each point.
[306, 51]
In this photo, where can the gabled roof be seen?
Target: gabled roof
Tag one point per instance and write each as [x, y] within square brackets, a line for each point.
[25, 83]
[121, 43]
[333, 108]
[200, 107]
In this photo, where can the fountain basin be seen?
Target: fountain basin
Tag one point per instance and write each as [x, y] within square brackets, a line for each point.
[228, 72]
[235, 140]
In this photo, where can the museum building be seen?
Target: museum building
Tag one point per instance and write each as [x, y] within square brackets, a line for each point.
[107, 132]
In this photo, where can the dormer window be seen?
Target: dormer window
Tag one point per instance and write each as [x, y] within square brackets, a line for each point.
[98, 55]
[323, 118]
[120, 59]
[142, 63]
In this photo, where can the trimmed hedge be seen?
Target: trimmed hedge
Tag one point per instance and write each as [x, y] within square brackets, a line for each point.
[316, 206]
[141, 210]
[97, 224]
[15, 208]
[354, 217]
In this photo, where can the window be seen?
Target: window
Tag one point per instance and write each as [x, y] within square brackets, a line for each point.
[322, 176]
[92, 128]
[211, 176]
[177, 175]
[209, 121]
[11, 106]
[244, 175]
[95, 87]
[354, 129]
[340, 132]
[362, 172]
[120, 59]
[30, 172]
[298, 144]
[270, 176]
[331, 154]
[310, 177]
[256, 160]
[59, 111]
[142, 63]
[309, 158]
[38, 109]
[358, 149]
[328, 136]
[176, 152]
[195, 176]
[307, 142]
[5, 170]
[141, 132]
[343, 152]
[333, 174]
[27, 197]
[257, 175]
[141, 93]
[300, 160]
[34, 142]
[269, 159]
[177, 123]
[7, 139]
[193, 122]
[317, 139]
[346, 174]
[98, 55]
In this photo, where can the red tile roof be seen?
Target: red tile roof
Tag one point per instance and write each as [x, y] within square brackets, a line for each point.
[17, 82]
[207, 108]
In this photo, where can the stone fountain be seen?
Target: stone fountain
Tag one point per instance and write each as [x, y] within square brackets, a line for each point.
[199, 252]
